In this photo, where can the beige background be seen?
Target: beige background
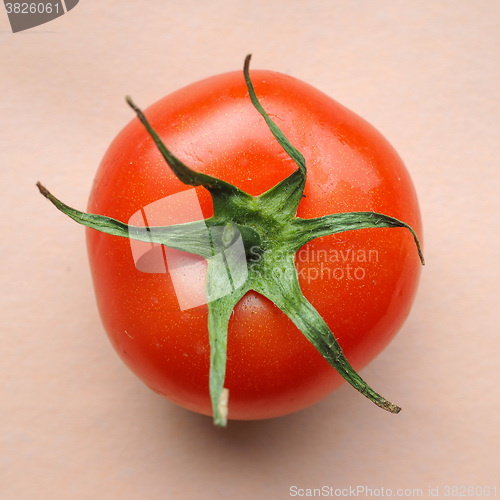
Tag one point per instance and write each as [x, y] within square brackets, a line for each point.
[75, 423]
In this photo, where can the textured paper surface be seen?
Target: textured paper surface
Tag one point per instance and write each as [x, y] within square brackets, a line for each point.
[75, 423]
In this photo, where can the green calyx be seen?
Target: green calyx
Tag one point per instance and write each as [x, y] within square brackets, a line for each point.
[253, 241]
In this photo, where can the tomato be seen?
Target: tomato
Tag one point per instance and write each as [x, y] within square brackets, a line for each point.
[362, 282]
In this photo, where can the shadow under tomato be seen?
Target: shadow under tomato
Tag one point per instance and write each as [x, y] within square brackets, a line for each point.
[265, 439]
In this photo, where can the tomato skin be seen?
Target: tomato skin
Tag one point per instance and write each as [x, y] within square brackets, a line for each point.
[361, 282]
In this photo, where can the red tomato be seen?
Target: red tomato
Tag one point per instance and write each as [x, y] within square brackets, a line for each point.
[362, 282]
